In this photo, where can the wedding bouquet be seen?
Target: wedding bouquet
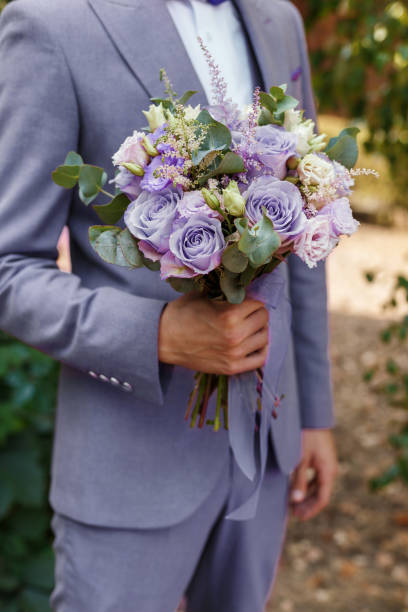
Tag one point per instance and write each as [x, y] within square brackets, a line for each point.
[214, 198]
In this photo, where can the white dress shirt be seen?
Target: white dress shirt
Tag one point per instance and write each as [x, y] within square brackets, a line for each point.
[222, 33]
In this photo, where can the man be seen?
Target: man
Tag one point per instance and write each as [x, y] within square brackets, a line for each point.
[139, 499]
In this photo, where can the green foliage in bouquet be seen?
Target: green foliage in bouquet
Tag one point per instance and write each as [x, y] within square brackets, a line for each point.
[395, 388]
[27, 399]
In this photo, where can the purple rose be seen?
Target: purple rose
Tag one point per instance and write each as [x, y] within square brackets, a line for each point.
[128, 183]
[150, 218]
[282, 202]
[274, 146]
[196, 247]
[316, 241]
[193, 203]
[341, 217]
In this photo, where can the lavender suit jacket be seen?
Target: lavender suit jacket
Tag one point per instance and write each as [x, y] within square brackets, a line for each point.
[75, 75]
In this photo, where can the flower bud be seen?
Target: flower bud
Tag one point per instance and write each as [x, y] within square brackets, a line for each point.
[155, 116]
[149, 148]
[292, 162]
[211, 199]
[234, 203]
[134, 169]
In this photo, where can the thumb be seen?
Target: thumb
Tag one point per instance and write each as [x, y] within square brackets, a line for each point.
[299, 484]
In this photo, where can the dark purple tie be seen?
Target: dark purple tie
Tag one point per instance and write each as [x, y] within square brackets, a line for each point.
[215, 2]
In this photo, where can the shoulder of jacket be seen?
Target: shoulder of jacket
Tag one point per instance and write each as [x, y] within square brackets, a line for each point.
[44, 11]
[287, 8]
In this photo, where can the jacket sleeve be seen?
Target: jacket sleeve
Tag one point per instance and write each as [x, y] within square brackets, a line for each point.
[309, 302]
[104, 332]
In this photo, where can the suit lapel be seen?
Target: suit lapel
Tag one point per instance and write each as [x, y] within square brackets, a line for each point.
[144, 33]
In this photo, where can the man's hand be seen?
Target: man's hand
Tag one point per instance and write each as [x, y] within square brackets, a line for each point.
[309, 496]
[214, 337]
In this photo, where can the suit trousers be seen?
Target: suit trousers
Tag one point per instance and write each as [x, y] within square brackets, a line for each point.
[220, 565]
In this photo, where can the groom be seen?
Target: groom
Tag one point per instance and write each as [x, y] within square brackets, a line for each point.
[139, 499]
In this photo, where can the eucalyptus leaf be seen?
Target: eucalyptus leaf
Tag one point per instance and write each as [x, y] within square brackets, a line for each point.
[205, 118]
[258, 243]
[73, 159]
[104, 240]
[266, 117]
[277, 93]
[234, 260]
[248, 276]
[268, 102]
[154, 266]
[130, 249]
[287, 103]
[232, 287]
[217, 138]
[111, 213]
[91, 179]
[166, 104]
[182, 285]
[185, 97]
[66, 176]
[344, 148]
[231, 163]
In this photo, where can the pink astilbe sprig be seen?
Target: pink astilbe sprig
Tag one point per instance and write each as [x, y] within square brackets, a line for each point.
[253, 114]
[246, 148]
[175, 175]
[364, 172]
[218, 83]
[223, 109]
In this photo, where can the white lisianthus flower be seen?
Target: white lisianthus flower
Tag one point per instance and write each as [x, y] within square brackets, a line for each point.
[293, 118]
[192, 112]
[155, 116]
[308, 140]
[131, 151]
[234, 203]
[315, 170]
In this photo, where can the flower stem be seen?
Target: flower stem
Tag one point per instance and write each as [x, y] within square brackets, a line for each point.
[201, 391]
[204, 405]
[111, 196]
[217, 422]
[192, 396]
[223, 393]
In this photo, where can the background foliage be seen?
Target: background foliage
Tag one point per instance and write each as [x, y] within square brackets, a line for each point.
[359, 53]
[393, 384]
[27, 399]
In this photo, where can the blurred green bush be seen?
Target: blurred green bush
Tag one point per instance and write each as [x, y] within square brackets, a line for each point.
[359, 52]
[393, 384]
[27, 399]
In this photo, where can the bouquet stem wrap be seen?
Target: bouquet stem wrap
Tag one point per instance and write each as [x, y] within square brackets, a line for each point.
[249, 429]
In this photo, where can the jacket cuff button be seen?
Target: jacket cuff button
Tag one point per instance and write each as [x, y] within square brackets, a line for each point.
[93, 374]
[114, 381]
[127, 387]
[103, 378]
